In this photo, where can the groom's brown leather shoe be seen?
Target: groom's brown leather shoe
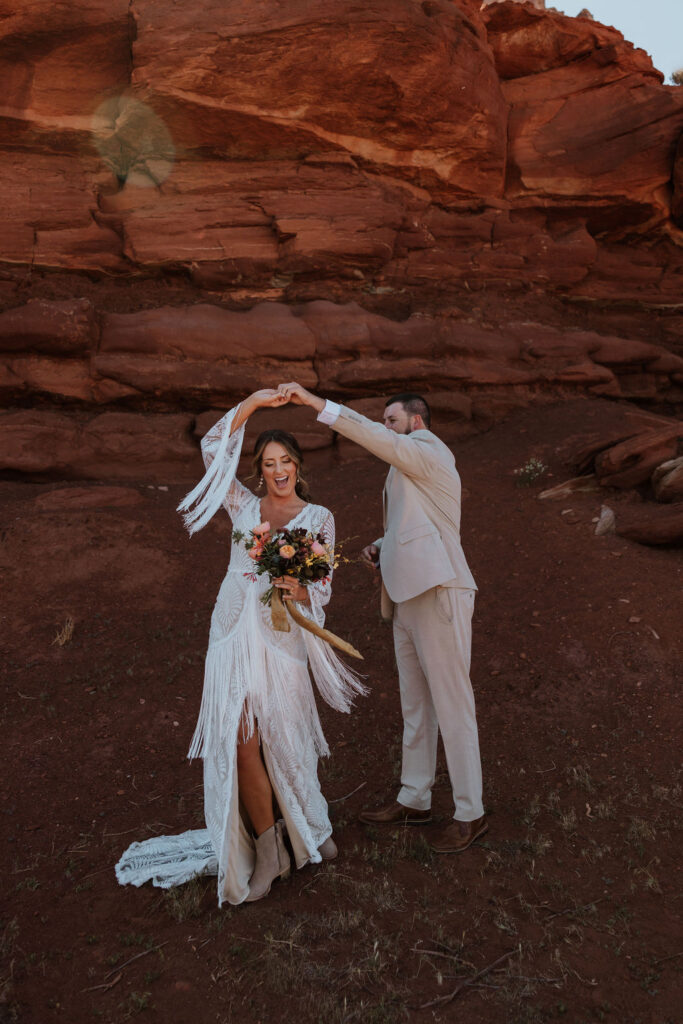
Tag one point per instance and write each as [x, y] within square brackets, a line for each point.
[459, 835]
[395, 814]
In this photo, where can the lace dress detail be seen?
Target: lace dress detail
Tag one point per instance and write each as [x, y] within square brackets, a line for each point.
[250, 666]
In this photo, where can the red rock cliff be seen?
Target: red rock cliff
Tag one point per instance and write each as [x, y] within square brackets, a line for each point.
[200, 197]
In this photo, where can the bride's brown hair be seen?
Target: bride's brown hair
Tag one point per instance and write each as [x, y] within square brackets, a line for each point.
[291, 446]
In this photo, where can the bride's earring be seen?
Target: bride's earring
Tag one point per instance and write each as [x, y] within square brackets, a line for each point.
[260, 483]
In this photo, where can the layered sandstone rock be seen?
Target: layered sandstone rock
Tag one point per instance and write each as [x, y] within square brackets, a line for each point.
[112, 445]
[590, 122]
[396, 85]
[391, 146]
[202, 199]
[204, 355]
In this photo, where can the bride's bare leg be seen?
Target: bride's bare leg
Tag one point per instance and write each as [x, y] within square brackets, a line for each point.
[256, 793]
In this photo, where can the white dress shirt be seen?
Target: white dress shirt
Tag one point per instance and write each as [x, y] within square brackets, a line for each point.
[330, 414]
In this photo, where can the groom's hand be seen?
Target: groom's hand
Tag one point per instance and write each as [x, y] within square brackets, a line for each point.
[298, 395]
[370, 554]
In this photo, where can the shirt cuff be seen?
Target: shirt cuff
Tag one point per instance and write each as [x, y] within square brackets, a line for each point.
[330, 414]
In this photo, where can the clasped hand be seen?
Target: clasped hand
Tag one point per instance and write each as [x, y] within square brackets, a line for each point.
[291, 393]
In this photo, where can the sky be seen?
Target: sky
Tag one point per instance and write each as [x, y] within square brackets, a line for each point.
[654, 25]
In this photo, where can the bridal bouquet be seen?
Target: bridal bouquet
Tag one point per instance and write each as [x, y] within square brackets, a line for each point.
[296, 553]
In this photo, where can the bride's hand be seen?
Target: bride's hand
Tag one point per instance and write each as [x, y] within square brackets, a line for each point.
[291, 590]
[268, 398]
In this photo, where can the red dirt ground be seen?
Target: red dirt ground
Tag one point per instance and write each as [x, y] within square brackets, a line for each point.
[575, 672]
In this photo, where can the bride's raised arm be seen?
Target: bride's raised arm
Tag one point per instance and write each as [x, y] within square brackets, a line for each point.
[221, 449]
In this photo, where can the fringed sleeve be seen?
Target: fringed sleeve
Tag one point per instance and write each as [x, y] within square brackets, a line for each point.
[337, 684]
[221, 451]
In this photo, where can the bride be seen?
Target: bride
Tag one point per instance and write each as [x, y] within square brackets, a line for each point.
[258, 732]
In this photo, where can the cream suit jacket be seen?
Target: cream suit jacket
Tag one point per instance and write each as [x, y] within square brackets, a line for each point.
[421, 547]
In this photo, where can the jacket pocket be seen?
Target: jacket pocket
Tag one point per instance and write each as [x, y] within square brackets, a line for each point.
[424, 530]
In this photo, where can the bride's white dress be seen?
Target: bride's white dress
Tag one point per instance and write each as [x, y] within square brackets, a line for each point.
[253, 668]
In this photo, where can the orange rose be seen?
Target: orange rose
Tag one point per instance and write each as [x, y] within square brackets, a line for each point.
[287, 551]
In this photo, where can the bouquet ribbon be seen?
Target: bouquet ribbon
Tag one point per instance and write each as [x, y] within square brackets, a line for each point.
[279, 611]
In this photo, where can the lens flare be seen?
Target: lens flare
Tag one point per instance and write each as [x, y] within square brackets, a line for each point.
[133, 141]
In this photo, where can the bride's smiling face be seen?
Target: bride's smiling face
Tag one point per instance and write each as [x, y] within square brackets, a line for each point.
[278, 469]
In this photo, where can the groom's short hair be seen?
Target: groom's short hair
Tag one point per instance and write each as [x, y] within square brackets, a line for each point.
[414, 405]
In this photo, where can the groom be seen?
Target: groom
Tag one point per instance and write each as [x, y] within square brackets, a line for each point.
[428, 592]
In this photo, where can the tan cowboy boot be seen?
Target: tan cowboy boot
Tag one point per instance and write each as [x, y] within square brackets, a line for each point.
[272, 861]
[328, 849]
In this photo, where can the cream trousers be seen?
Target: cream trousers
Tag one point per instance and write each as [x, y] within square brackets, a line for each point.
[433, 640]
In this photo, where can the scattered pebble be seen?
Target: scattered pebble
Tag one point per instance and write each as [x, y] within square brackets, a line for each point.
[606, 522]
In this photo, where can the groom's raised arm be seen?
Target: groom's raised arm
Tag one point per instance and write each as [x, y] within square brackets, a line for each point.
[411, 453]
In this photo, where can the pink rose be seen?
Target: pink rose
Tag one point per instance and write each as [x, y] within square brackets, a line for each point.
[255, 552]
[262, 530]
[317, 548]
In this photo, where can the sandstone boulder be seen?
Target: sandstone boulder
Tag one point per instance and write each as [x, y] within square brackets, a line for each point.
[632, 462]
[667, 480]
[581, 451]
[652, 524]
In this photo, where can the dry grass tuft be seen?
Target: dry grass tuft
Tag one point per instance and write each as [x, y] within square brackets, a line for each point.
[64, 635]
[184, 902]
[579, 776]
[640, 831]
